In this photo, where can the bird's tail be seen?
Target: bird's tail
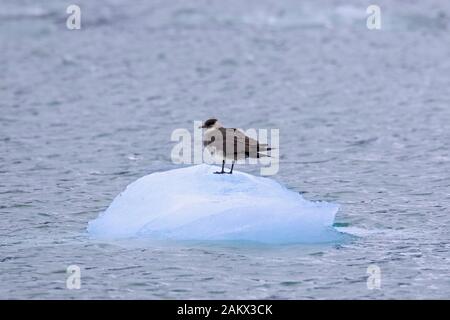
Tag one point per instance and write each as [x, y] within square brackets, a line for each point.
[263, 155]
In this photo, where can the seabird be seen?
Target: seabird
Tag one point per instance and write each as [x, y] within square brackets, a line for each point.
[230, 144]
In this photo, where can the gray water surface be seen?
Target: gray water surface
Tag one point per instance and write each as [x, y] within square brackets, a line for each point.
[364, 122]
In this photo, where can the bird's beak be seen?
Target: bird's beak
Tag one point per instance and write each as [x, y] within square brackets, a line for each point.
[201, 127]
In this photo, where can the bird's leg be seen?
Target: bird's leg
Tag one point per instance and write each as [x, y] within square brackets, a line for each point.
[232, 166]
[223, 166]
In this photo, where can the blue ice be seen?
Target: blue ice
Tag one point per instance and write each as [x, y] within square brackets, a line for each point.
[192, 203]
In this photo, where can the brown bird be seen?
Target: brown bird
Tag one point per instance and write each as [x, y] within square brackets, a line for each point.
[230, 144]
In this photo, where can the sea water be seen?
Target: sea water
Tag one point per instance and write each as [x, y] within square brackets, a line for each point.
[363, 117]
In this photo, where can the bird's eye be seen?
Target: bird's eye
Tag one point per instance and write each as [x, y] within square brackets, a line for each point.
[213, 138]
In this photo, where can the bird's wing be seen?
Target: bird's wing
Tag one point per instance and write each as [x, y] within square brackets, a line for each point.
[242, 142]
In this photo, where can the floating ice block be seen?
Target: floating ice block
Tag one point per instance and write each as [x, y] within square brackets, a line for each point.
[192, 203]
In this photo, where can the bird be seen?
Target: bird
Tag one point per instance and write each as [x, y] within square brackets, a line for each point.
[230, 144]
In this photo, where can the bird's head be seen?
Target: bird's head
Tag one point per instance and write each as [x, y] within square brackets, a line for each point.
[211, 123]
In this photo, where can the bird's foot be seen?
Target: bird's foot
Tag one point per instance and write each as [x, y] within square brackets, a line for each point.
[219, 172]
[231, 172]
